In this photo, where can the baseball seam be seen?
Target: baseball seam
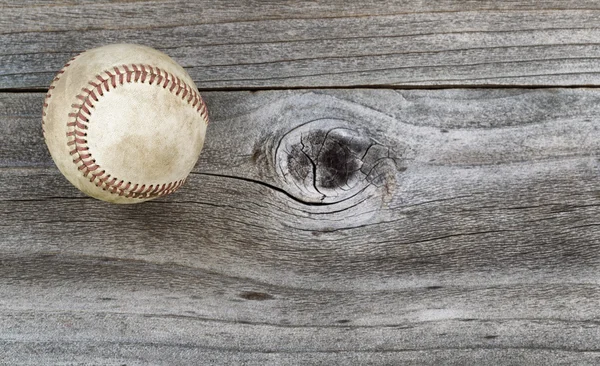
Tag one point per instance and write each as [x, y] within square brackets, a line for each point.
[80, 119]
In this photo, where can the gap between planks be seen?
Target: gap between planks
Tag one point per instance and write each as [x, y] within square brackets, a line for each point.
[359, 87]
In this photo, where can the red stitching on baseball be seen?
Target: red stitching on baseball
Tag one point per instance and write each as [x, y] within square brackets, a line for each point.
[79, 121]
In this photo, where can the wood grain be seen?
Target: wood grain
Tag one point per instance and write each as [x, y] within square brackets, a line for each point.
[276, 44]
[320, 227]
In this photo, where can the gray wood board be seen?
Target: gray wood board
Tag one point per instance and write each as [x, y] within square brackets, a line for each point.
[277, 44]
[320, 227]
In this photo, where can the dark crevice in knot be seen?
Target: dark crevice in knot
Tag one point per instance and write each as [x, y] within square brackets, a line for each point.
[326, 161]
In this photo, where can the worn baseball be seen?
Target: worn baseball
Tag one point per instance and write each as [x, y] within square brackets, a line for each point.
[124, 123]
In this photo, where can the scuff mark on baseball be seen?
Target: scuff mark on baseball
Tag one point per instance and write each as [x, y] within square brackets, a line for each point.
[124, 123]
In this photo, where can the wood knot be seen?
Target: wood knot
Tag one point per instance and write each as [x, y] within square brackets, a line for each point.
[326, 161]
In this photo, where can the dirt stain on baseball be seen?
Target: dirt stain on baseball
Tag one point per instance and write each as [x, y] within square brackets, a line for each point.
[159, 158]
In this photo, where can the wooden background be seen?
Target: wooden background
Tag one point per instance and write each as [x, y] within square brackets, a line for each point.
[384, 183]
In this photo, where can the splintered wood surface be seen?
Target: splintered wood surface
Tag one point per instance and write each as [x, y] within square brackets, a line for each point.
[322, 226]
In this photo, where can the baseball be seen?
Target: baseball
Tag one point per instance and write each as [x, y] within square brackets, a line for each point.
[124, 123]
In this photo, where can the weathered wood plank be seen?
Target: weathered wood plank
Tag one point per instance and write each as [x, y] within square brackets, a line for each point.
[312, 44]
[337, 227]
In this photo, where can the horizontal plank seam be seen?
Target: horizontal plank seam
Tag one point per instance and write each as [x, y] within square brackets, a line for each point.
[455, 65]
[360, 86]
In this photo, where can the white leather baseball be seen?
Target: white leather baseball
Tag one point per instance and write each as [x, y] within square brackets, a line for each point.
[124, 123]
